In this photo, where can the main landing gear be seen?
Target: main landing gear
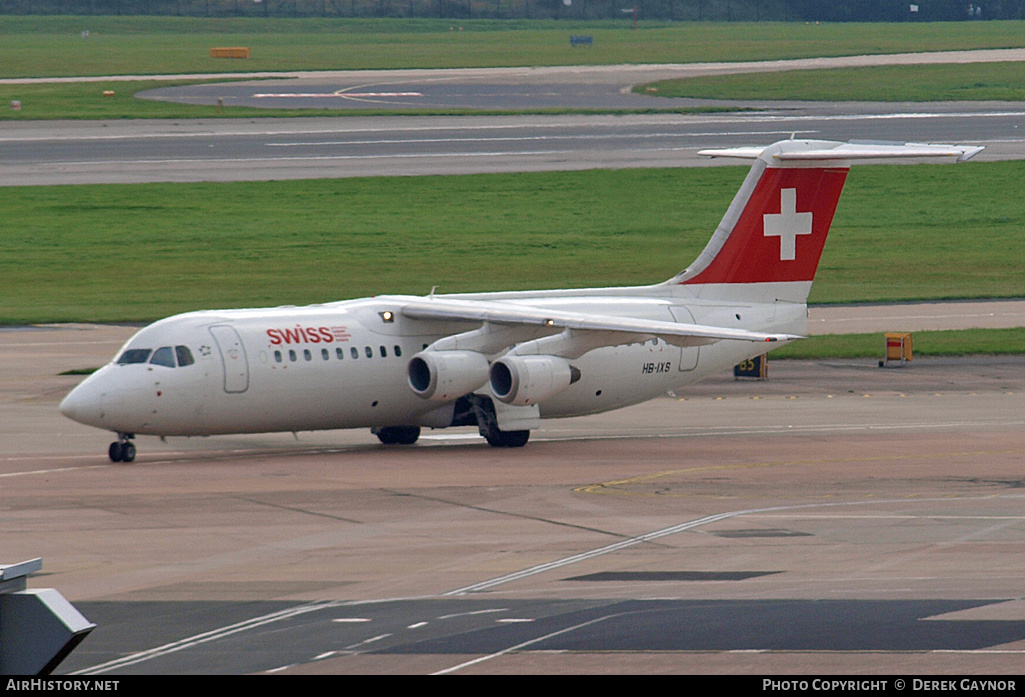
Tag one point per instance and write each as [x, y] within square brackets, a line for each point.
[123, 449]
[397, 435]
[487, 424]
[498, 438]
[470, 410]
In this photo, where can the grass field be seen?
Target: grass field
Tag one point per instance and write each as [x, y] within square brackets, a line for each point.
[898, 83]
[56, 46]
[930, 343]
[139, 252]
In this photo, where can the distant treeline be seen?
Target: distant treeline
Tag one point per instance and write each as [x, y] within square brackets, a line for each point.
[671, 10]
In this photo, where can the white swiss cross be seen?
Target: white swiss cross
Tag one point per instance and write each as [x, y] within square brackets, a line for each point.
[787, 224]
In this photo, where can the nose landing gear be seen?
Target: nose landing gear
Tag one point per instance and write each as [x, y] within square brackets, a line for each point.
[123, 449]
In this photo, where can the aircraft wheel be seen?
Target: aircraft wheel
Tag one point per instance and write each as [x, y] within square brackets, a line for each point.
[506, 439]
[397, 435]
[121, 451]
[128, 452]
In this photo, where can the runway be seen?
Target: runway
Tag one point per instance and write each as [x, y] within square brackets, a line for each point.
[40, 153]
[127, 151]
[835, 518]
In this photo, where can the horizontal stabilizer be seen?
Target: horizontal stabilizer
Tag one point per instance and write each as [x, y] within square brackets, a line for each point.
[821, 150]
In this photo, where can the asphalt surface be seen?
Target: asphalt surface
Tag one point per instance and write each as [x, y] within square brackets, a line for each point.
[273, 149]
[526, 88]
[837, 517]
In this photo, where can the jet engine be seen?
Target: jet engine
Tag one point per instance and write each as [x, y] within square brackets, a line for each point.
[526, 380]
[446, 375]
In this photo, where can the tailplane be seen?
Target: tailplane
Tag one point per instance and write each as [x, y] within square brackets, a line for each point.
[769, 242]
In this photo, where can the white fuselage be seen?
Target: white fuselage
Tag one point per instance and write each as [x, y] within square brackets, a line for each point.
[341, 365]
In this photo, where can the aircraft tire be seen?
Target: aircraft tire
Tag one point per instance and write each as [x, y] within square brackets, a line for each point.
[506, 439]
[398, 435]
[121, 452]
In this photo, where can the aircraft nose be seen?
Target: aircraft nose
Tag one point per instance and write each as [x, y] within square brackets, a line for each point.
[73, 405]
[83, 404]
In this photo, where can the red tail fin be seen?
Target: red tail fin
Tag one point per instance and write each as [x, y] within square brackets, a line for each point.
[781, 230]
[776, 227]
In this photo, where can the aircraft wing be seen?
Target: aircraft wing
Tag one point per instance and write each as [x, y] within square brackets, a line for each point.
[621, 329]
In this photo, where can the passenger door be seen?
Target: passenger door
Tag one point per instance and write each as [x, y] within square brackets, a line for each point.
[233, 357]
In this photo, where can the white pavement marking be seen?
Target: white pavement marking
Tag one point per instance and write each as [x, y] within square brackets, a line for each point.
[341, 95]
[524, 645]
[205, 637]
[584, 556]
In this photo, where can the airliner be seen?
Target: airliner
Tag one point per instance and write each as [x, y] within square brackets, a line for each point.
[500, 361]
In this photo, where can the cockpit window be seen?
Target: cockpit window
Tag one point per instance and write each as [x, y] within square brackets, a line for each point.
[184, 355]
[134, 356]
[163, 356]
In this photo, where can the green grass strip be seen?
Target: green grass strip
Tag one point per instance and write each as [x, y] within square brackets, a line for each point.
[961, 342]
[897, 83]
[140, 252]
[137, 45]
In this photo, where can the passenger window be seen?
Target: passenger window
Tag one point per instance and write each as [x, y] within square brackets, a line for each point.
[163, 356]
[354, 352]
[369, 351]
[340, 353]
[384, 352]
[184, 355]
[277, 356]
[398, 351]
[324, 354]
[134, 356]
[307, 355]
[291, 355]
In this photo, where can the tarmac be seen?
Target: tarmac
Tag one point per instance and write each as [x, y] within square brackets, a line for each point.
[835, 518]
